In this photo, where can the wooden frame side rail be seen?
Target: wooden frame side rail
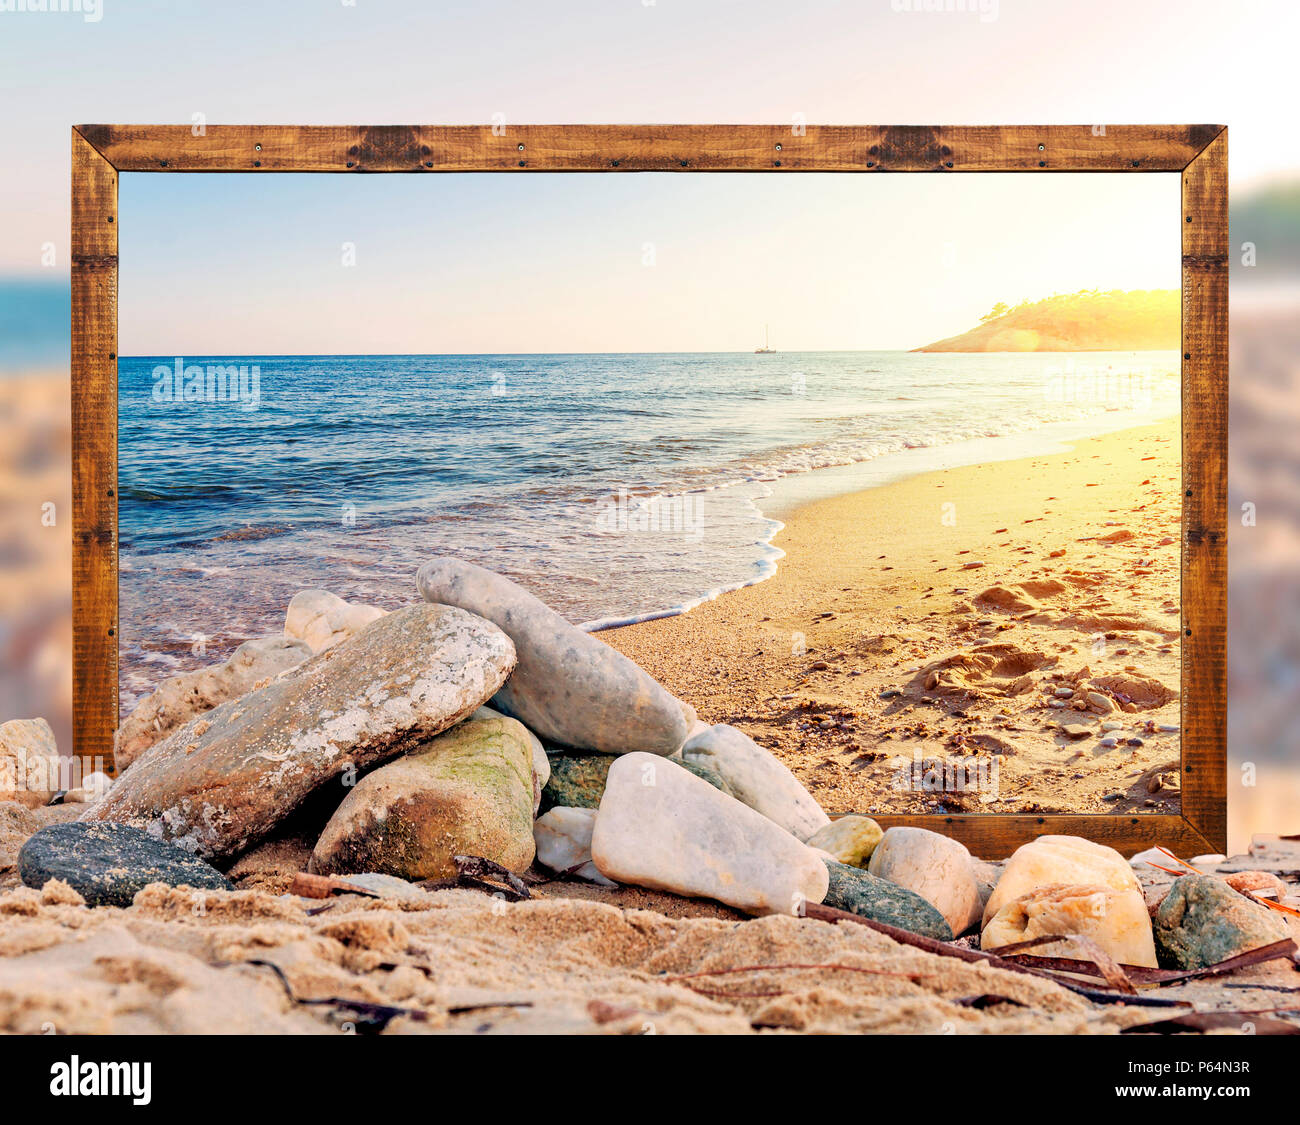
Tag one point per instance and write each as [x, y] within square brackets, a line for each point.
[1198, 152]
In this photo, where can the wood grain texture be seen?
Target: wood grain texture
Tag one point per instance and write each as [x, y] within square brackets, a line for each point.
[1199, 152]
[646, 148]
[94, 455]
[996, 837]
[1205, 491]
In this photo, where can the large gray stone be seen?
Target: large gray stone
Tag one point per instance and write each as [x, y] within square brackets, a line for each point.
[568, 687]
[755, 777]
[222, 781]
[180, 698]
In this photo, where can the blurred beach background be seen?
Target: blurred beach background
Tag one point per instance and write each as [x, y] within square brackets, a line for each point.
[661, 61]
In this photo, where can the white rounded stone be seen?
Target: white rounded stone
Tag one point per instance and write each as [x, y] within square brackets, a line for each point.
[1117, 921]
[1069, 860]
[662, 827]
[936, 867]
[563, 838]
[322, 619]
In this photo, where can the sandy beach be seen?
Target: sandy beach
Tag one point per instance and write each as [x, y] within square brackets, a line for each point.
[575, 959]
[936, 620]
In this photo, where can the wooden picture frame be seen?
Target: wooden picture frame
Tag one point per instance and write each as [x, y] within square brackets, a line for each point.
[1198, 152]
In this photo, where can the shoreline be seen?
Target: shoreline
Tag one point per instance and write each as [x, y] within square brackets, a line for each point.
[796, 489]
[826, 662]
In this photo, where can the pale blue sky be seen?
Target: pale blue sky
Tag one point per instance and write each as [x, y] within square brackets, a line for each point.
[255, 264]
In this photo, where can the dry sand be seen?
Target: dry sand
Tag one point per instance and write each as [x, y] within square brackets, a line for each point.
[576, 959]
[969, 592]
[178, 961]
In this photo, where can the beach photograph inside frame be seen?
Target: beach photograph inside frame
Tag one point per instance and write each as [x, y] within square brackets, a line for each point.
[881, 472]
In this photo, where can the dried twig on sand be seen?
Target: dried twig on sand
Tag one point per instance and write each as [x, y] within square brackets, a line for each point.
[832, 966]
[475, 873]
[371, 1017]
[1213, 1021]
[306, 885]
[1141, 975]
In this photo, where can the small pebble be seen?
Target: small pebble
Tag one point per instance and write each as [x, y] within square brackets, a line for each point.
[1102, 703]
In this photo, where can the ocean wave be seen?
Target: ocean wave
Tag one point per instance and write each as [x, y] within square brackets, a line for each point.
[221, 521]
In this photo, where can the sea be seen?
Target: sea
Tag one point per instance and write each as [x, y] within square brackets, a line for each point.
[617, 488]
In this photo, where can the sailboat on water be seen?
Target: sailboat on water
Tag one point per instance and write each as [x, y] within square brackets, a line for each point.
[767, 348]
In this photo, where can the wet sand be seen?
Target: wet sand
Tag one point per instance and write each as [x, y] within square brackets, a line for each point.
[907, 654]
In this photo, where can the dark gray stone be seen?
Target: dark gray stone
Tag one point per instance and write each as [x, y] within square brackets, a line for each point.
[861, 893]
[108, 863]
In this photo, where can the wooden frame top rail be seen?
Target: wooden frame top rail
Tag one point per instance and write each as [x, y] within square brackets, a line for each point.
[650, 148]
[1198, 152]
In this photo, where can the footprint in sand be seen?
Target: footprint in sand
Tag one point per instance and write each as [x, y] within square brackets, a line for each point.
[1006, 600]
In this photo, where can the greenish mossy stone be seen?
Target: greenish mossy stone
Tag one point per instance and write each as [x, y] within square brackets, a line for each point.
[467, 792]
[1203, 921]
[578, 780]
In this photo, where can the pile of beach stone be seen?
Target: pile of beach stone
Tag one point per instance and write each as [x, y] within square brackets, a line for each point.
[479, 722]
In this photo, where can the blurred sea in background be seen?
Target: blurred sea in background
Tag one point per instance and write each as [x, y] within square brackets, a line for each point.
[1264, 513]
